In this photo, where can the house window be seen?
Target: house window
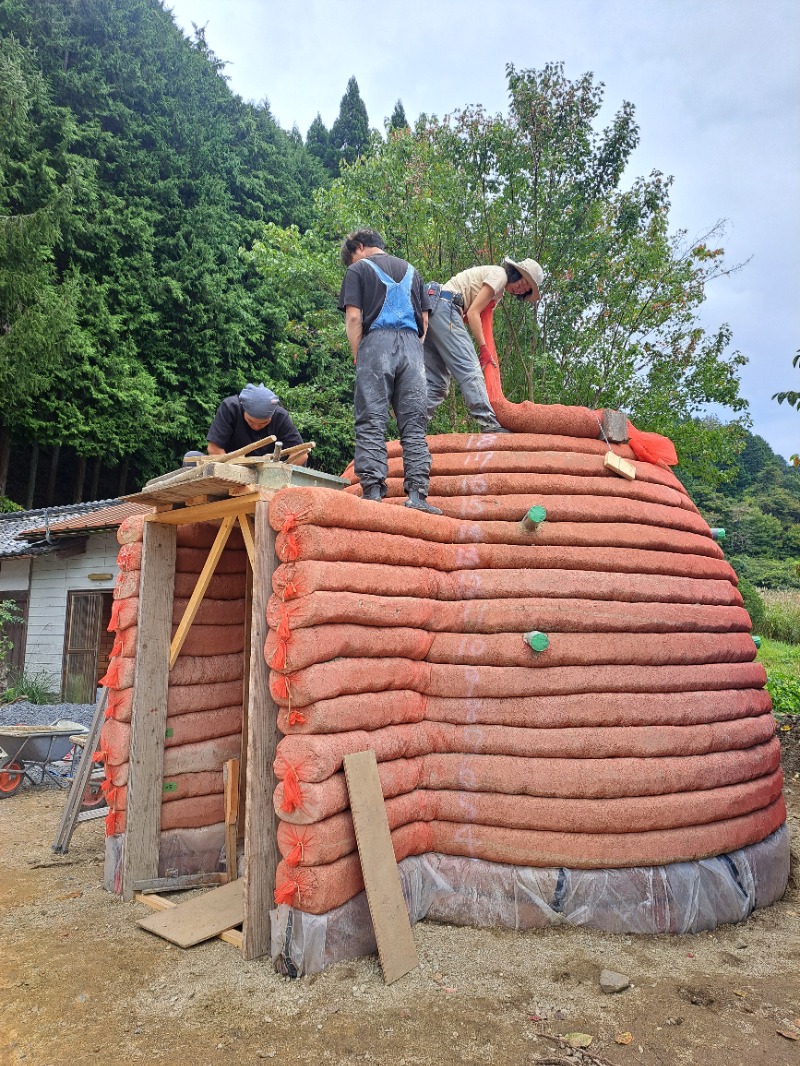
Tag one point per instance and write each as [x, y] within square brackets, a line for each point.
[86, 644]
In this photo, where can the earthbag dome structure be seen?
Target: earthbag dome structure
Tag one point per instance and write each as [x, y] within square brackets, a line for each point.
[566, 712]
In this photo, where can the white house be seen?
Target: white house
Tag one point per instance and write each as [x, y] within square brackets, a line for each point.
[59, 565]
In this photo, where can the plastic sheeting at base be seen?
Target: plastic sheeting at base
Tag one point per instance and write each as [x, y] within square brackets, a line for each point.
[682, 897]
[180, 851]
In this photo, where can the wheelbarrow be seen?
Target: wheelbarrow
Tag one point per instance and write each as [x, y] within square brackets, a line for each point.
[51, 749]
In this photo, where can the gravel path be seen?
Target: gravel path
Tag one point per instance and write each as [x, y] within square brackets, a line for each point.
[25, 713]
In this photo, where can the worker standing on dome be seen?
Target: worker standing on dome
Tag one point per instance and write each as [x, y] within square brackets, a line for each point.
[449, 352]
[386, 315]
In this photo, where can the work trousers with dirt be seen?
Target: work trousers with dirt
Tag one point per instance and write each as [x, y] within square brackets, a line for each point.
[449, 351]
[390, 371]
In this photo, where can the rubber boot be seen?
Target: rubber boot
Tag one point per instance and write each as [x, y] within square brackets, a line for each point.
[372, 492]
[419, 503]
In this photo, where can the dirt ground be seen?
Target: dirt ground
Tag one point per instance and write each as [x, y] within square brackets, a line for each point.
[81, 982]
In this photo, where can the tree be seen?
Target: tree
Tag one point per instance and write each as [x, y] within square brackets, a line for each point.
[318, 142]
[617, 325]
[314, 374]
[791, 397]
[398, 120]
[37, 177]
[350, 132]
[133, 175]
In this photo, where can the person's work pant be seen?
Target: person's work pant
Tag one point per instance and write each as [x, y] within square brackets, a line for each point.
[449, 351]
[390, 370]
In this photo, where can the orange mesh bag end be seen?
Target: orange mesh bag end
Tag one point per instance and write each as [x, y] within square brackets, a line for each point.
[652, 447]
[292, 793]
[286, 892]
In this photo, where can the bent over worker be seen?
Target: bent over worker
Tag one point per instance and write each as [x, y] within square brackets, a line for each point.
[253, 414]
[448, 349]
[386, 315]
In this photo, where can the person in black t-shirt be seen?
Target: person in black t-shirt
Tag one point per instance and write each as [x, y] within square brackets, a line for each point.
[253, 414]
[386, 316]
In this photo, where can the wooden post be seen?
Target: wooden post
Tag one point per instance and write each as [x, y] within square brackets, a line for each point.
[149, 713]
[248, 617]
[261, 824]
[230, 780]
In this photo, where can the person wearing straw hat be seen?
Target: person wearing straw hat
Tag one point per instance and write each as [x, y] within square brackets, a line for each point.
[449, 352]
[252, 415]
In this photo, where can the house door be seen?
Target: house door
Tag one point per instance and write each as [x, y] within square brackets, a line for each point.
[86, 644]
[16, 631]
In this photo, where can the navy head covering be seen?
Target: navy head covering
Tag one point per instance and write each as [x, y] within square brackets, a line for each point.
[258, 401]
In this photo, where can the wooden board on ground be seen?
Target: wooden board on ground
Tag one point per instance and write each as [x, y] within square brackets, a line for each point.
[200, 918]
[387, 906]
[161, 903]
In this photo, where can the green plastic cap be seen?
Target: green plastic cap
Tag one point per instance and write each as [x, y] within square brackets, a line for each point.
[757, 641]
[538, 641]
[717, 533]
[537, 513]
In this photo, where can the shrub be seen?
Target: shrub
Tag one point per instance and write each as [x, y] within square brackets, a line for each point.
[753, 603]
[768, 573]
[36, 687]
[785, 692]
[781, 615]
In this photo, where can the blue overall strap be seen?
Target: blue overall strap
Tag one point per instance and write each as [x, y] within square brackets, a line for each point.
[397, 311]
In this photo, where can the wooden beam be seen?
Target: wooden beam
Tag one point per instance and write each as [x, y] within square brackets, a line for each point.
[248, 617]
[149, 711]
[247, 536]
[230, 778]
[387, 906]
[261, 824]
[207, 512]
[179, 883]
[196, 598]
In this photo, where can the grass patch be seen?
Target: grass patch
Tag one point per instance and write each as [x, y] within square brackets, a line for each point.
[781, 619]
[782, 663]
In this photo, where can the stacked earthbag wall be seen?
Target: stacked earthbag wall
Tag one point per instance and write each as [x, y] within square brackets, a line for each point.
[594, 781]
[204, 701]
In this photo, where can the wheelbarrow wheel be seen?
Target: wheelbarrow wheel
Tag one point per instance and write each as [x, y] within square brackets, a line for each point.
[11, 782]
[93, 798]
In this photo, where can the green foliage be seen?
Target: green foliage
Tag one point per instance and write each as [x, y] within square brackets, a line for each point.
[791, 397]
[35, 687]
[767, 573]
[753, 604]
[398, 120]
[313, 369]
[617, 325]
[8, 506]
[782, 663]
[10, 615]
[782, 616]
[130, 175]
[350, 136]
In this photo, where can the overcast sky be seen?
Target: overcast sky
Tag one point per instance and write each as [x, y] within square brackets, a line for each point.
[715, 83]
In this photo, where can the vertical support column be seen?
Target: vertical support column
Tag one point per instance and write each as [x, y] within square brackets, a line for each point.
[149, 712]
[261, 823]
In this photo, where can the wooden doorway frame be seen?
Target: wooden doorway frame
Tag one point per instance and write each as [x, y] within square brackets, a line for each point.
[154, 651]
